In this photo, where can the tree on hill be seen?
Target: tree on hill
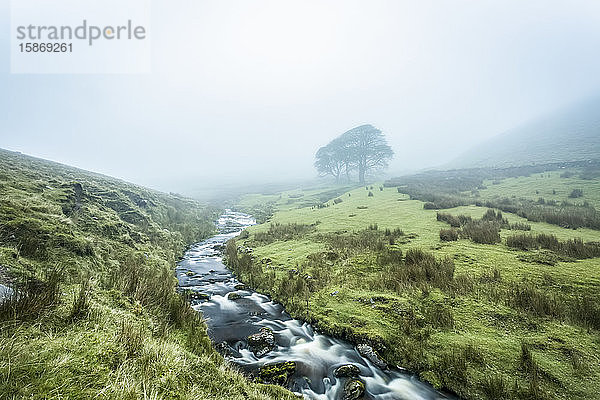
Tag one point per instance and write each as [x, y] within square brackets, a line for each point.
[329, 160]
[362, 149]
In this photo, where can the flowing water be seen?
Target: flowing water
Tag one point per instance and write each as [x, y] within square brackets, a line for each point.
[230, 322]
[5, 292]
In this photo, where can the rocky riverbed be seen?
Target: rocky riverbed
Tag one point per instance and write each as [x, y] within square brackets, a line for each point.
[258, 335]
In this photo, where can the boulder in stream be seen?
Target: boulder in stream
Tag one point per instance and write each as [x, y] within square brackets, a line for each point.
[199, 296]
[262, 342]
[346, 371]
[276, 374]
[226, 350]
[234, 296]
[353, 389]
[240, 286]
[367, 352]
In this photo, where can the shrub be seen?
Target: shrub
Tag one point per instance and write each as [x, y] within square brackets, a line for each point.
[586, 311]
[448, 235]
[283, 232]
[464, 219]
[493, 216]
[520, 226]
[575, 248]
[490, 215]
[576, 193]
[369, 239]
[528, 298]
[483, 232]
[449, 218]
[422, 267]
[389, 256]
[567, 174]
[522, 242]
[440, 315]
[370, 194]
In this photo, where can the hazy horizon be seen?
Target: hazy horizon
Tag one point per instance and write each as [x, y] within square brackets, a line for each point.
[247, 92]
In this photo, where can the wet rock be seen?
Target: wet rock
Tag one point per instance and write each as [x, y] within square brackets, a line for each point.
[277, 374]
[240, 286]
[234, 296]
[255, 313]
[226, 350]
[367, 352]
[353, 390]
[190, 273]
[346, 371]
[199, 296]
[262, 342]
[219, 247]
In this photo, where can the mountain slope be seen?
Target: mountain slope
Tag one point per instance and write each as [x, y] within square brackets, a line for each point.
[95, 314]
[571, 134]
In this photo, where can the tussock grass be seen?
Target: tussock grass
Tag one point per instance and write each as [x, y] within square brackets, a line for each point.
[575, 248]
[32, 298]
[455, 312]
[107, 322]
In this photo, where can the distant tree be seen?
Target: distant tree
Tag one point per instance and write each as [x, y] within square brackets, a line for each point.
[363, 148]
[330, 161]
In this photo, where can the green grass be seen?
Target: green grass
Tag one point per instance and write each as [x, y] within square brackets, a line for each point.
[548, 185]
[97, 316]
[466, 337]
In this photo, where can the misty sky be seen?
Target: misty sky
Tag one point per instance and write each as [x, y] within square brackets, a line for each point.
[248, 90]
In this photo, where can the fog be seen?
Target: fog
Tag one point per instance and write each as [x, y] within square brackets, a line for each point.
[247, 91]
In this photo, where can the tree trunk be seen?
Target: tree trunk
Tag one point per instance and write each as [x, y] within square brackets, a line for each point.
[361, 174]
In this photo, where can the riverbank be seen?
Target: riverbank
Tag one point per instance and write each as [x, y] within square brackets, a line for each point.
[97, 315]
[259, 336]
[482, 320]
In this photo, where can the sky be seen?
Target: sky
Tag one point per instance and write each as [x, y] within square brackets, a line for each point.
[247, 91]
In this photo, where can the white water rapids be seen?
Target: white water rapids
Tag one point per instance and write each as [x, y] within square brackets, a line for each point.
[230, 322]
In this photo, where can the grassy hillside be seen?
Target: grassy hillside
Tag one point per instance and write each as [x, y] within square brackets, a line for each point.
[503, 307]
[95, 313]
[571, 134]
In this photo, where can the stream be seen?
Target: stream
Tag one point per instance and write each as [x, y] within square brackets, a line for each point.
[317, 356]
